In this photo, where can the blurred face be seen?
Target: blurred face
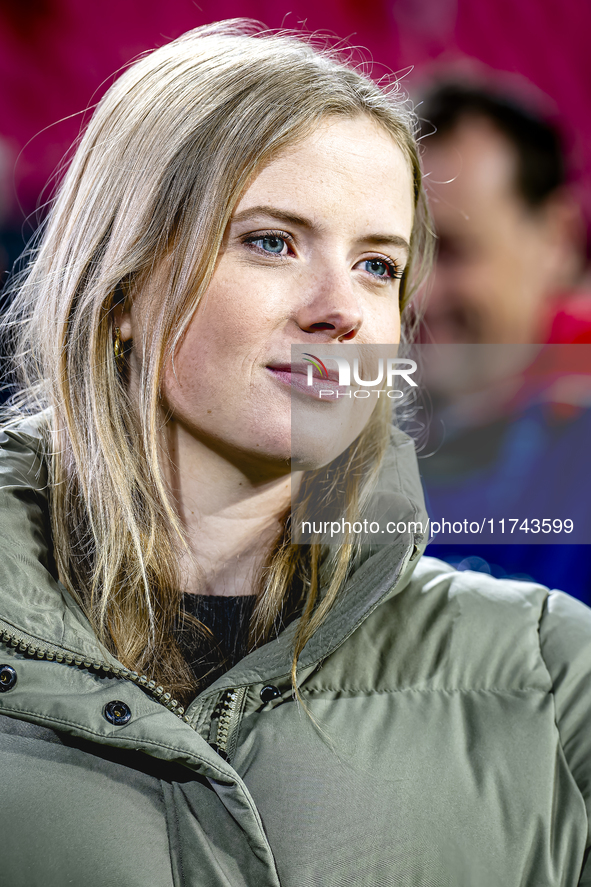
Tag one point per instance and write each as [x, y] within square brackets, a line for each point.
[312, 256]
[499, 260]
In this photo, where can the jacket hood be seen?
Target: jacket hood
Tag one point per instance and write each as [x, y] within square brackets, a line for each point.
[36, 606]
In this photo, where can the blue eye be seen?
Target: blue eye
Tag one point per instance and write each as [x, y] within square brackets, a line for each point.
[271, 244]
[379, 268]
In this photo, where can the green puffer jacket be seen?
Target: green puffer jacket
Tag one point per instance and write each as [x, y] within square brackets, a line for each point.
[455, 748]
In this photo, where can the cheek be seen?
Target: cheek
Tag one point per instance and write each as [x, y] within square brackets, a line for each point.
[236, 310]
[214, 359]
[213, 342]
[383, 326]
[201, 362]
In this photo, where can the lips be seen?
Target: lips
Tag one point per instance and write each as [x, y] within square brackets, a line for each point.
[296, 376]
[301, 369]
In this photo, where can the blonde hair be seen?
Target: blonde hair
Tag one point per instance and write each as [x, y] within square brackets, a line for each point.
[157, 173]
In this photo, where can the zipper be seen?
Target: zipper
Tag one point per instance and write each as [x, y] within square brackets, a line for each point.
[223, 712]
[220, 740]
[56, 654]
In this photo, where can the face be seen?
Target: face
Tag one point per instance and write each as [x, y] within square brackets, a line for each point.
[312, 256]
[499, 261]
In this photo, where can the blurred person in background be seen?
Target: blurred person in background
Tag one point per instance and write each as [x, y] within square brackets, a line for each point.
[510, 254]
[509, 229]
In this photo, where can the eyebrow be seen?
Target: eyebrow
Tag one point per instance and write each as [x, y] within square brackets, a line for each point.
[280, 214]
[292, 219]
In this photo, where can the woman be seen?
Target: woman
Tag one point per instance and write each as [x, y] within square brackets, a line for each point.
[187, 697]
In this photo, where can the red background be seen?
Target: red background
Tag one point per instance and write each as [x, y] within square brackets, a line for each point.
[58, 56]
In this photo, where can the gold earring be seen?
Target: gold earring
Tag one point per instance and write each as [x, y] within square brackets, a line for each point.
[118, 350]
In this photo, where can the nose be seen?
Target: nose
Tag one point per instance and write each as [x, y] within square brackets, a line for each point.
[332, 307]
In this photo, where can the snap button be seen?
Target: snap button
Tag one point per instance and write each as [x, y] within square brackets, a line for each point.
[117, 713]
[7, 678]
[269, 692]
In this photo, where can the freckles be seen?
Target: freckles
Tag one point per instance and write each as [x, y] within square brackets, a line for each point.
[385, 328]
[233, 308]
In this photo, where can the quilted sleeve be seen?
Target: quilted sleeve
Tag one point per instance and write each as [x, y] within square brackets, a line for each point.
[565, 637]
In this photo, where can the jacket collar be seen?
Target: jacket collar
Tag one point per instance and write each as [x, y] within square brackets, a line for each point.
[381, 572]
[33, 604]
[38, 607]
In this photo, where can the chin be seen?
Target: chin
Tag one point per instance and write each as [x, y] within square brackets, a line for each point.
[271, 449]
[310, 453]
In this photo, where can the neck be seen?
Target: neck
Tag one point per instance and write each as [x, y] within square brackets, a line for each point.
[232, 515]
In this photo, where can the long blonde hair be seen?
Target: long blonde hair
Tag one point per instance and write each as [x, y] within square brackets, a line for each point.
[158, 172]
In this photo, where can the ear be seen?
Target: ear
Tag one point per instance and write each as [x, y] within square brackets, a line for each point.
[565, 232]
[122, 319]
